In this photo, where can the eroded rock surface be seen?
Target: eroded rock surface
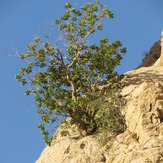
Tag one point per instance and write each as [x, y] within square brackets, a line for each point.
[142, 142]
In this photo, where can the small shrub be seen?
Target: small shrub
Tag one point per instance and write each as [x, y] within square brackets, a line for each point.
[109, 119]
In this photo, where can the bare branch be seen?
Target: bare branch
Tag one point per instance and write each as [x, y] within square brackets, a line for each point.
[75, 58]
[47, 35]
[13, 49]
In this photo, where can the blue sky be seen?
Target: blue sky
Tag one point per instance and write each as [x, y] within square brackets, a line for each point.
[138, 24]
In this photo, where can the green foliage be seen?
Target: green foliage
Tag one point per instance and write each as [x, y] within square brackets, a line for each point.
[109, 119]
[109, 112]
[64, 132]
[106, 106]
[63, 76]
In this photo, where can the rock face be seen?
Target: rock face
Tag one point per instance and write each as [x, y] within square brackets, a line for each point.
[152, 56]
[142, 141]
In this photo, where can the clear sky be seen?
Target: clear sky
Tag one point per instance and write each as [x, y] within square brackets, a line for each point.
[137, 23]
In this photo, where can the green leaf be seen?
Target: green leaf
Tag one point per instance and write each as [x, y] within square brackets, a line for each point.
[57, 21]
[123, 50]
[64, 133]
[22, 56]
[27, 92]
[37, 40]
[104, 40]
[23, 82]
[18, 77]
[99, 27]
[67, 5]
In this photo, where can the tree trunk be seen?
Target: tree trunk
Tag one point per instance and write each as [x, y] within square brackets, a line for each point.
[74, 94]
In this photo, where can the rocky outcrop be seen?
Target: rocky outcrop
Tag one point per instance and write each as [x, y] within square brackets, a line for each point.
[141, 142]
[152, 56]
[143, 139]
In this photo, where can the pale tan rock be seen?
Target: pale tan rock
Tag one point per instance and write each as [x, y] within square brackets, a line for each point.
[161, 56]
[142, 142]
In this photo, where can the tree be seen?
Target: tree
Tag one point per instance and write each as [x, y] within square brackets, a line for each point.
[65, 76]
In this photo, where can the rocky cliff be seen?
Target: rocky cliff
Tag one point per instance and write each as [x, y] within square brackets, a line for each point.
[152, 56]
[142, 141]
